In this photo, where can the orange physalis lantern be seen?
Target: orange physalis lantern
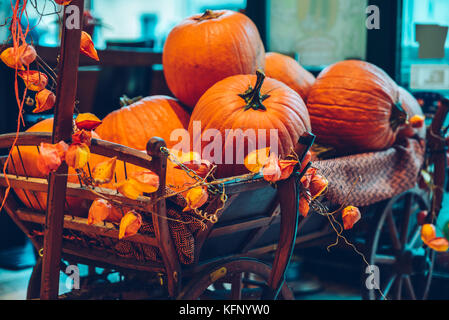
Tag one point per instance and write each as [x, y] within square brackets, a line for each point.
[318, 184]
[63, 2]
[256, 159]
[145, 181]
[34, 80]
[287, 167]
[351, 215]
[103, 172]
[195, 198]
[45, 100]
[51, 156]
[271, 171]
[87, 46]
[429, 237]
[87, 121]
[19, 58]
[77, 156]
[417, 121]
[99, 211]
[130, 224]
[102, 210]
[128, 189]
[82, 136]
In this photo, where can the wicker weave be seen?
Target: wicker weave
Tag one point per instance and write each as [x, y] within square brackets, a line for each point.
[368, 178]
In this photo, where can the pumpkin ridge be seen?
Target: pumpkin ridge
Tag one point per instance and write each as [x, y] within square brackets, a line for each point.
[346, 107]
[355, 88]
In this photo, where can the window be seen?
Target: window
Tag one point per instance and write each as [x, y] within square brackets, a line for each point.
[321, 32]
[136, 22]
[143, 20]
[425, 45]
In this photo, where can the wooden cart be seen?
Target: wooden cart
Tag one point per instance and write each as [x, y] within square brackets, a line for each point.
[224, 251]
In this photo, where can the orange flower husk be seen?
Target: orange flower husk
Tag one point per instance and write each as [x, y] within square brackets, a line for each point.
[129, 224]
[45, 100]
[304, 205]
[351, 215]
[428, 233]
[417, 121]
[191, 160]
[308, 176]
[271, 171]
[307, 159]
[287, 167]
[99, 211]
[51, 156]
[102, 210]
[34, 80]
[438, 244]
[129, 188]
[27, 54]
[63, 2]
[318, 184]
[82, 136]
[103, 172]
[24, 55]
[115, 215]
[87, 121]
[12, 60]
[145, 181]
[195, 198]
[256, 159]
[87, 46]
[204, 168]
[77, 156]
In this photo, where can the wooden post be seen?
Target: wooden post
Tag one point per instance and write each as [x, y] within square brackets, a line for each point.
[289, 199]
[62, 130]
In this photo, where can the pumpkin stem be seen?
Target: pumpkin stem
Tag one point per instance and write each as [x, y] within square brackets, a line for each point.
[252, 96]
[398, 116]
[125, 101]
[209, 15]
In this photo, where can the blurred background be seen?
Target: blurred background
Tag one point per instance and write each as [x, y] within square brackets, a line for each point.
[411, 45]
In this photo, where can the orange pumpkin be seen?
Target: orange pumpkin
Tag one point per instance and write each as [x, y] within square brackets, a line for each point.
[290, 72]
[412, 107]
[29, 156]
[354, 106]
[247, 102]
[135, 124]
[204, 49]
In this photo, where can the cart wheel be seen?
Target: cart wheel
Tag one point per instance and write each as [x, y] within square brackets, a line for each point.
[240, 279]
[395, 247]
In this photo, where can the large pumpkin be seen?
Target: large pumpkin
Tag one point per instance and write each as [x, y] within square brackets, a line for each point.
[204, 49]
[135, 124]
[247, 105]
[29, 156]
[354, 106]
[290, 72]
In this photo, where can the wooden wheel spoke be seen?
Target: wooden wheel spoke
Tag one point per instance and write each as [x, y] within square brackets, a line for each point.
[384, 259]
[393, 231]
[398, 288]
[389, 284]
[409, 287]
[406, 216]
[236, 287]
[415, 237]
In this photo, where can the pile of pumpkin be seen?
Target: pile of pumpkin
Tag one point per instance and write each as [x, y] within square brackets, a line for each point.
[210, 62]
